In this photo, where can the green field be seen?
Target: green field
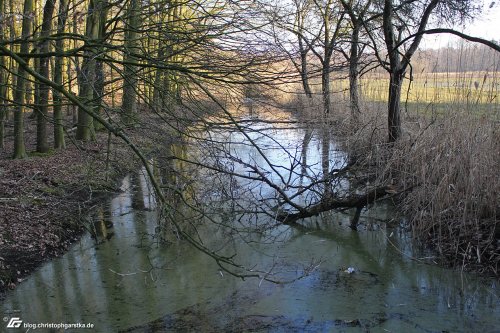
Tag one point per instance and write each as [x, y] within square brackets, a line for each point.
[434, 92]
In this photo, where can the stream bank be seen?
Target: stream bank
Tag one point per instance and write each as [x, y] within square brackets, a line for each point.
[46, 199]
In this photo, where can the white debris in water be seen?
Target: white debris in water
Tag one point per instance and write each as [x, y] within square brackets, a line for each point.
[350, 270]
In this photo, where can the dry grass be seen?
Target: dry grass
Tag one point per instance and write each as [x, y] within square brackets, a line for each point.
[447, 167]
[453, 166]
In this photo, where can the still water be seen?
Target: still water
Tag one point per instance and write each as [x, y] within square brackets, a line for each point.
[127, 280]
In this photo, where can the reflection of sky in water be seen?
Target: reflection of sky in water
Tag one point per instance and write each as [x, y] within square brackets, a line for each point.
[288, 155]
[113, 286]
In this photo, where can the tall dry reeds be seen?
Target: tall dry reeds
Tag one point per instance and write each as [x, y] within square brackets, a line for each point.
[452, 169]
[447, 167]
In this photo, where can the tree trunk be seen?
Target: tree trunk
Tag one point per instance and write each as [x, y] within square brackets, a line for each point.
[32, 88]
[19, 94]
[157, 85]
[394, 107]
[129, 104]
[12, 63]
[3, 82]
[42, 145]
[399, 61]
[76, 60]
[58, 77]
[84, 130]
[304, 74]
[99, 70]
[354, 77]
[325, 87]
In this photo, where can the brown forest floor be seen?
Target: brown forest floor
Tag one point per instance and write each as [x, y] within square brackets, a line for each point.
[44, 198]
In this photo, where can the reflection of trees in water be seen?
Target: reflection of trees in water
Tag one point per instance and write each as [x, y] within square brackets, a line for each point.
[177, 178]
[247, 176]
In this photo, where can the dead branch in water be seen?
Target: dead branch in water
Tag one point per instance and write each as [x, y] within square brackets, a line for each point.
[331, 203]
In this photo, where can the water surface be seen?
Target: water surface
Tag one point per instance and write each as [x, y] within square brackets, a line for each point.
[130, 280]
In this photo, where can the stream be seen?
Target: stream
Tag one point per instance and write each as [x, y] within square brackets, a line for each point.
[126, 279]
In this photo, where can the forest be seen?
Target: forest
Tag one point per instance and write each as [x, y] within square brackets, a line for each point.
[248, 120]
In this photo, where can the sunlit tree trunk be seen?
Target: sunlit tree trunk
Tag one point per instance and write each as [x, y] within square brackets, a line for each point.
[42, 145]
[12, 63]
[19, 93]
[72, 109]
[58, 77]
[86, 81]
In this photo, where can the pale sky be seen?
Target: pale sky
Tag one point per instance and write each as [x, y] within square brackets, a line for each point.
[486, 26]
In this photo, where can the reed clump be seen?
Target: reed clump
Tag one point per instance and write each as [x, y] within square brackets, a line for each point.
[446, 169]
[452, 167]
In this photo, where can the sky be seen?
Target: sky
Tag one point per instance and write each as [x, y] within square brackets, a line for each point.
[486, 26]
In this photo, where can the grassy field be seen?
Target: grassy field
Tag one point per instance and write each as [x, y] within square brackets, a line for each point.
[478, 92]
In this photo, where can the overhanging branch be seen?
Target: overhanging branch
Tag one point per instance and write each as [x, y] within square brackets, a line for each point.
[358, 201]
[488, 43]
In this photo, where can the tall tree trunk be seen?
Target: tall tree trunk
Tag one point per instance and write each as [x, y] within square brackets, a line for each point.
[129, 104]
[19, 93]
[12, 63]
[42, 145]
[76, 60]
[396, 72]
[87, 75]
[325, 87]
[304, 74]
[3, 81]
[354, 76]
[157, 85]
[58, 77]
[394, 105]
[99, 70]
[398, 62]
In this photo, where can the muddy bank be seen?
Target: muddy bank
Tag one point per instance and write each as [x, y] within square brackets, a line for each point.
[45, 199]
[44, 203]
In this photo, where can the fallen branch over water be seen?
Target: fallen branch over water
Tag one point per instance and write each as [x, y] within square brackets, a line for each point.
[331, 203]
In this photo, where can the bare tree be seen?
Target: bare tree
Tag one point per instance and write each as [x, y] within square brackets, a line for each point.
[399, 21]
